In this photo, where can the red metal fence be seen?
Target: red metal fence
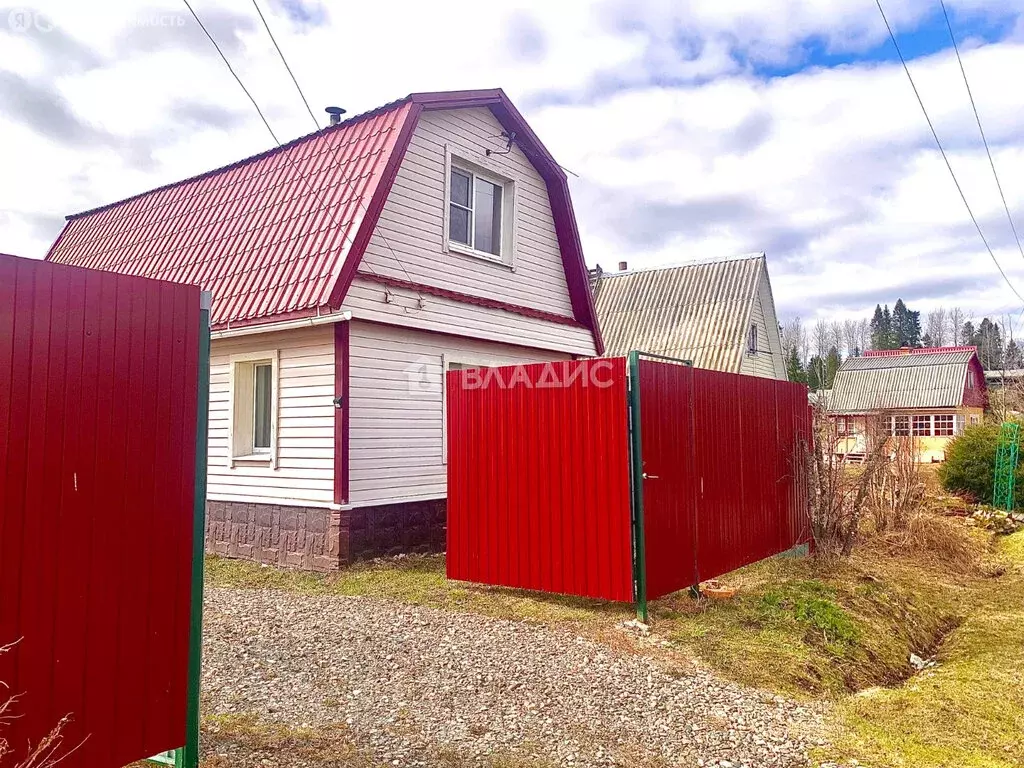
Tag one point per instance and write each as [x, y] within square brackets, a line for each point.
[724, 484]
[538, 478]
[98, 422]
[541, 462]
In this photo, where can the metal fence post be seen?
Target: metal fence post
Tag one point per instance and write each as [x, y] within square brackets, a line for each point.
[637, 486]
[190, 754]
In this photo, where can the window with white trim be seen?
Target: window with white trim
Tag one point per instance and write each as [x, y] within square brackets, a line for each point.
[480, 211]
[975, 419]
[944, 425]
[900, 426]
[922, 426]
[253, 433]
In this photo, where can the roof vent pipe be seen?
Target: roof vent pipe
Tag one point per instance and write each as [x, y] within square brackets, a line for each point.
[623, 266]
[335, 113]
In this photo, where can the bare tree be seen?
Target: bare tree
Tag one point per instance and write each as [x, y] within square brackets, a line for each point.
[821, 337]
[793, 338]
[851, 338]
[957, 318]
[863, 334]
[936, 326]
[835, 333]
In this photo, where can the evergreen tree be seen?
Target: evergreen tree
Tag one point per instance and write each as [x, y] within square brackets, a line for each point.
[832, 363]
[968, 337]
[1014, 358]
[881, 328]
[906, 326]
[989, 341]
[926, 341]
[794, 368]
[816, 373]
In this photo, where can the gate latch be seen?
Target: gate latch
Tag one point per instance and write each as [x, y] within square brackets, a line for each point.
[649, 477]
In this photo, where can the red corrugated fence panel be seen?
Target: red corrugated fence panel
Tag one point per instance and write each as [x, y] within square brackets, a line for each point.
[98, 394]
[538, 478]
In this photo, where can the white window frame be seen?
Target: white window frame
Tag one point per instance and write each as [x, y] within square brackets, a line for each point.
[949, 419]
[892, 425]
[462, 160]
[929, 430]
[241, 423]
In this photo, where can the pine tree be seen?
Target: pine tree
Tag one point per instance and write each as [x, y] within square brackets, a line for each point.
[881, 328]
[794, 368]
[989, 341]
[968, 337]
[906, 326]
[815, 373]
[926, 341]
[832, 363]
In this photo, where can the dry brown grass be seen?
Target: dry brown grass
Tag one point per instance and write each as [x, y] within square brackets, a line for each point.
[940, 542]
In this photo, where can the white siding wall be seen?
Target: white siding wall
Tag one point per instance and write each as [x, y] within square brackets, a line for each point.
[768, 361]
[305, 450]
[412, 223]
[396, 437]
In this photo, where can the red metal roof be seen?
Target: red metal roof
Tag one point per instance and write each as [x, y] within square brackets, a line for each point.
[915, 351]
[281, 234]
[255, 233]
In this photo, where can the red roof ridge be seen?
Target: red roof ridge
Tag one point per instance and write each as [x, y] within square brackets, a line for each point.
[246, 160]
[916, 351]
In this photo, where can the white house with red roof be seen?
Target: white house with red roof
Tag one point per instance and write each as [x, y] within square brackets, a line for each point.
[349, 269]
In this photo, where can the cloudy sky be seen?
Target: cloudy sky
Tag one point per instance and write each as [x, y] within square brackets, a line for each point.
[697, 128]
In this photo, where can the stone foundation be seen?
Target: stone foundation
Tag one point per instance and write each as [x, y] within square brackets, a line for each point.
[319, 539]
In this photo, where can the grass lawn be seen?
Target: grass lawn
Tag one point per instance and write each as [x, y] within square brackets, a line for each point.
[843, 634]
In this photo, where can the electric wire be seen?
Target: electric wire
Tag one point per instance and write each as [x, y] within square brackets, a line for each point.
[942, 151]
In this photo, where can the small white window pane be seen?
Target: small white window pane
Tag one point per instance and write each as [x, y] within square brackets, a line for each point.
[461, 184]
[263, 384]
[487, 228]
[458, 224]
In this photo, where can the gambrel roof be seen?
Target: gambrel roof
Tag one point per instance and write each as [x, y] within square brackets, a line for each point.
[280, 235]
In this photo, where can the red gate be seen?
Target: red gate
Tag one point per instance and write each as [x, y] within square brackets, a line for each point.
[555, 484]
[720, 471]
[100, 396]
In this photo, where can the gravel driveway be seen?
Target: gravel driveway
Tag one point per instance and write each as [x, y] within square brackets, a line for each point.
[422, 687]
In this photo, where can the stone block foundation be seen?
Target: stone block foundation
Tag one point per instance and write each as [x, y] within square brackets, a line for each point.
[321, 539]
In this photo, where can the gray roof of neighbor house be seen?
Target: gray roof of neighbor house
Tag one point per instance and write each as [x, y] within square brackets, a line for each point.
[891, 382]
[697, 312]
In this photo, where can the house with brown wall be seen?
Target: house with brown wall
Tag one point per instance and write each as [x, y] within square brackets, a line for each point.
[349, 270]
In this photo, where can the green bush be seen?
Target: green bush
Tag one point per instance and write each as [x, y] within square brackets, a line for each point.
[970, 465]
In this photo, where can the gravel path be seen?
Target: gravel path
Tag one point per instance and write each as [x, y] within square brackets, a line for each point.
[417, 686]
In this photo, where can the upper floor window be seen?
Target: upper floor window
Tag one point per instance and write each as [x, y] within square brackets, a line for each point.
[475, 212]
[480, 212]
[752, 338]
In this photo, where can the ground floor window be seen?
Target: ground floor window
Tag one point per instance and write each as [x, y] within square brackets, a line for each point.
[944, 425]
[927, 425]
[900, 426]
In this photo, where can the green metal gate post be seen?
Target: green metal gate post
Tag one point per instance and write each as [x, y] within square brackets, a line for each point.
[189, 756]
[637, 487]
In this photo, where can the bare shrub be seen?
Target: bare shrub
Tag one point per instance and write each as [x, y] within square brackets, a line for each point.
[897, 490]
[838, 492]
[49, 751]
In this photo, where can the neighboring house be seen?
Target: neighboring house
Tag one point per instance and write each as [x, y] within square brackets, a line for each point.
[717, 314]
[349, 269]
[924, 394]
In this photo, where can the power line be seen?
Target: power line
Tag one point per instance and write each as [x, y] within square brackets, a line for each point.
[981, 130]
[319, 130]
[277, 141]
[938, 143]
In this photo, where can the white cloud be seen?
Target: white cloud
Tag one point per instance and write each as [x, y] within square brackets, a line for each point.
[682, 150]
